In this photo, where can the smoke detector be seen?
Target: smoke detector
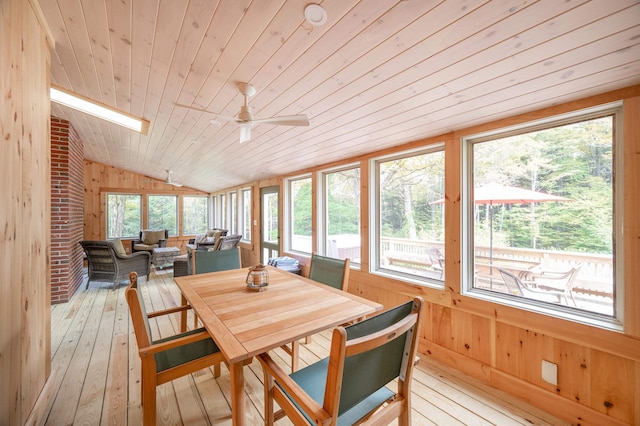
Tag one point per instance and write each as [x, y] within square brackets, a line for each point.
[315, 14]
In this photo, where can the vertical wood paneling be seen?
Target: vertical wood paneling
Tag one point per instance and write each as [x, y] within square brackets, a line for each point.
[25, 357]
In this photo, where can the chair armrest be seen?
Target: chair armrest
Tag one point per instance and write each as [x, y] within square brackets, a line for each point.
[294, 391]
[134, 242]
[134, 255]
[168, 311]
[162, 243]
[174, 343]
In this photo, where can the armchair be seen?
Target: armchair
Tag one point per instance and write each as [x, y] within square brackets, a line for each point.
[208, 240]
[150, 239]
[108, 261]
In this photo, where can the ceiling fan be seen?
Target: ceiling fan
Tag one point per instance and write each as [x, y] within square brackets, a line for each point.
[245, 119]
[169, 181]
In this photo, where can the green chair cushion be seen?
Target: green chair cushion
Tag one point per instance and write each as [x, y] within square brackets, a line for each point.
[185, 353]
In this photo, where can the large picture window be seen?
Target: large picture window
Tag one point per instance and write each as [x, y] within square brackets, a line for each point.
[410, 215]
[195, 214]
[124, 215]
[299, 223]
[542, 218]
[163, 213]
[342, 214]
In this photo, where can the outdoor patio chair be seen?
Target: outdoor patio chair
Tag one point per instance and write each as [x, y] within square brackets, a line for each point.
[108, 261]
[169, 358]
[557, 281]
[437, 260]
[350, 385]
[325, 270]
[516, 286]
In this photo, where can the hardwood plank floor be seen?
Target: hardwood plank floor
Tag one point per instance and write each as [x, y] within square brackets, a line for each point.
[94, 351]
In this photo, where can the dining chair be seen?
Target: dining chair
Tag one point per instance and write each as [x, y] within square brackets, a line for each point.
[350, 385]
[217, 260]
[554, 295]
[326, 270]
[330, 271]
[168, 358]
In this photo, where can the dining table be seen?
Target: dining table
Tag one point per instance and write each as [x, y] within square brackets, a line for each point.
[244, 322]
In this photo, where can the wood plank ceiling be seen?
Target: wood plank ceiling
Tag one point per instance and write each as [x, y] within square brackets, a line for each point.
[377, 74]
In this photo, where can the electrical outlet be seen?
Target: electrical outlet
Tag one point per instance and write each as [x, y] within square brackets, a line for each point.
[550, 372]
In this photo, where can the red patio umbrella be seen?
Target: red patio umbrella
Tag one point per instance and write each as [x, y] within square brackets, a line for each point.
[502, 194]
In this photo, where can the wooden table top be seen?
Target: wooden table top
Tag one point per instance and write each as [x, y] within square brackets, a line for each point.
[245, 323]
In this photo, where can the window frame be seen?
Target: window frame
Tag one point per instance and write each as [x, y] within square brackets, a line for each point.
[245, 213]
[374, 219]
[140, 213]
[288, 213]
[323, 209]
[177, 207]
[614, 322]
[208, 206]
[233, 212]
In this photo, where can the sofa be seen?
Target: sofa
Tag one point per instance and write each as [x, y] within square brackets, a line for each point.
[150, 239]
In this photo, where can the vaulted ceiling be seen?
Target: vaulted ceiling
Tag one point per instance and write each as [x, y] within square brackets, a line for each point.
[376, 74]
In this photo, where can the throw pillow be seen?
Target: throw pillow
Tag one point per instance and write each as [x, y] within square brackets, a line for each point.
[152, 237]
[119, 248]
[210, 239]
[200, 238]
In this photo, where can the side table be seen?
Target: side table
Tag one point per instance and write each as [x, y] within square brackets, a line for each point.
[164, 256]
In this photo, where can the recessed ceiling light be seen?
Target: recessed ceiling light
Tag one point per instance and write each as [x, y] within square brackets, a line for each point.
[315, 14]
[88, 106]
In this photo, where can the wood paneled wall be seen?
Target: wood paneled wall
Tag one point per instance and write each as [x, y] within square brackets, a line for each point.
[25, 333]
[99, 179]
[598, 369]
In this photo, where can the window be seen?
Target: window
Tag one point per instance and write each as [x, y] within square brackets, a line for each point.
[541, 229]
[299, 223]
[410, 216]
[124, 215]
[163, 213]
[341, 214]
[195, 215]
[223, 211]
[233, 214]
[246, 214]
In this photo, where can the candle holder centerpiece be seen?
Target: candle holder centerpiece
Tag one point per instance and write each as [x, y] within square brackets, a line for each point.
[258, 278]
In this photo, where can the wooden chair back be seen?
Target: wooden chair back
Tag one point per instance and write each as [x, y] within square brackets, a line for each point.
[217, 260]
[330, 271]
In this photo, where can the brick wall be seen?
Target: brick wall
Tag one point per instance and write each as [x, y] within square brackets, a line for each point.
[67, 203]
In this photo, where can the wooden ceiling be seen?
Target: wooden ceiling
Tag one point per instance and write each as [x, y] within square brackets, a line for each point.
[377, 74]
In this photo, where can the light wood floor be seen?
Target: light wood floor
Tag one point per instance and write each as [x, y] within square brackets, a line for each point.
[95, 362]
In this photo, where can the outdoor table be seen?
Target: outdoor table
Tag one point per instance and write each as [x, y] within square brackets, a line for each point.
[246, 323]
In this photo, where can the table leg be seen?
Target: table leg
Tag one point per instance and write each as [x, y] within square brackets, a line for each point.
[183, 316]
[237, 394]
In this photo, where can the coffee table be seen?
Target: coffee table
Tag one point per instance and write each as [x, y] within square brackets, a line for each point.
[164, 256]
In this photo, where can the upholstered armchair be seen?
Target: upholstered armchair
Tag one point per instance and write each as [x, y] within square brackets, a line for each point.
[150, 239]
[108, 262]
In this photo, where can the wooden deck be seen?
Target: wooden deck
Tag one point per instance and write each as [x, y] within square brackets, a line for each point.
[95, 361]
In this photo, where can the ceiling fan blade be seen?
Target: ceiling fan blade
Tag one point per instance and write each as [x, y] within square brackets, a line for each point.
[285, 120]
[175, 184]
[245, 132]
[218, 117]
